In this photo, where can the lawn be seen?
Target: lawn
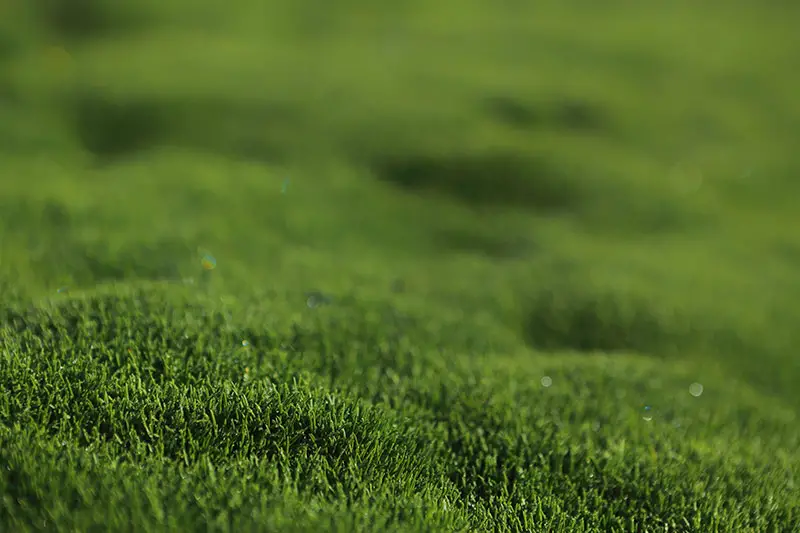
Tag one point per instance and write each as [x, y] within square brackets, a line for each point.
[404, 266]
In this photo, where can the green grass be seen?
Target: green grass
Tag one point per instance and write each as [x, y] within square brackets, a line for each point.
[470, 262]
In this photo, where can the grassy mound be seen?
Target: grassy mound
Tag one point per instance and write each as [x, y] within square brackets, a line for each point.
[428, 267]
[324, 421]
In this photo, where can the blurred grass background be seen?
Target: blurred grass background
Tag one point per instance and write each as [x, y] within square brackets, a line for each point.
[527, 180]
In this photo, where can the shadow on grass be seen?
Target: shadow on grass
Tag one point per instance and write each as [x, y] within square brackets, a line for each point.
[111, 128]
[117, 127]
[87, 19]
[501, 179]
[597, 321]
[559, 114]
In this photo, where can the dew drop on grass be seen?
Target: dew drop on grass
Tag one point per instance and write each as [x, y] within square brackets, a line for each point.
[245, 343]
[547, 381]
[208, 262]
[696, 389]
[647, 414]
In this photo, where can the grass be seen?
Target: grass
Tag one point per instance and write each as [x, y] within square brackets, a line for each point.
[510, 268]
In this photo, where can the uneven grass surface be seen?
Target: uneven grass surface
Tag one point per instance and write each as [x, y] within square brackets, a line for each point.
[520, 267]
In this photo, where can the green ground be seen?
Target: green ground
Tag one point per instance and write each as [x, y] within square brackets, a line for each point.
[472, 266]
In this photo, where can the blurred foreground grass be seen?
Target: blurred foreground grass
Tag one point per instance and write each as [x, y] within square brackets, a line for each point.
[509, 268]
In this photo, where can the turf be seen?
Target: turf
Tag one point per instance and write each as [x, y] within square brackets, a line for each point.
[407, 266]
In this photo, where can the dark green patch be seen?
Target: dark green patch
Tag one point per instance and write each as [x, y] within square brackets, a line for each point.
[492, 179]
[86, 19]
[110, 127]
[578, 115]
[25, 217]
[567, 318]
[789, 252]
[512, 111]
[10, 44]
[558, 114]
